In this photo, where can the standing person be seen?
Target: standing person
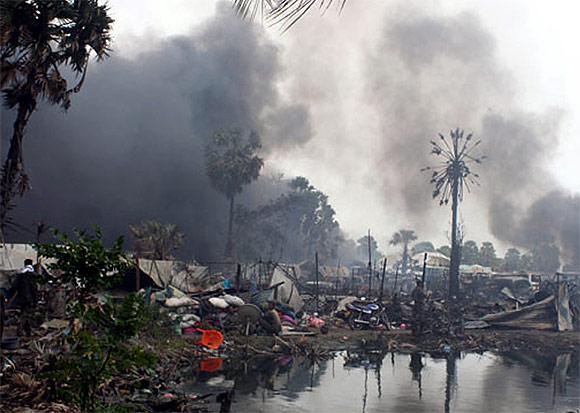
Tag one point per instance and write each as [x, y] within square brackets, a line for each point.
[418, 308]
[25, 296]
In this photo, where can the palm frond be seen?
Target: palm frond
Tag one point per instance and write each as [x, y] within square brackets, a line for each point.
[283, 13]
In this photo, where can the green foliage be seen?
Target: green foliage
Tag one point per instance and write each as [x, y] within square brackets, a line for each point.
[470, 253]
[487, 255]
[156, 240]
[422, 247]
[512, 260]
[41, 41]
[362, 249]
[101, 349]
[85, 262]
[445, 250]
[546, 257]
[231, 161]
[404, 237]
[293, 226]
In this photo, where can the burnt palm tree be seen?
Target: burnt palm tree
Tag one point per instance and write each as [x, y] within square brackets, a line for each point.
[404, 236]
[451, 177]
[38, 39]
[284, 13]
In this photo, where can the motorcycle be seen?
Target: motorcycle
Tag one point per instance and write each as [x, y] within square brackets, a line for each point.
[366, 316]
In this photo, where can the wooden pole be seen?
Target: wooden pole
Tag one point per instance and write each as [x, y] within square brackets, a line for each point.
[238, 277]
[424, 269]
[395, 286]
[260, 275]
[137, 274]
[316, 278]
[383, 280]
[558, 293]
[370, 262]
[336, 284]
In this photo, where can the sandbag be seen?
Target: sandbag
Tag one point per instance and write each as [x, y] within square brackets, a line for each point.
[233, 300]
[188, 317]
[218, 302]
[180, 302]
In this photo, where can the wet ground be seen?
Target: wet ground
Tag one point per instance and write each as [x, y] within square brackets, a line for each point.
[394, 382]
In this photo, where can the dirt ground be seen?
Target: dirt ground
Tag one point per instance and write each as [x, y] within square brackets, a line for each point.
[340, 338]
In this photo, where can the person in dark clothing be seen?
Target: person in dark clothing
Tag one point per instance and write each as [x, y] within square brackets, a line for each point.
[418, 295]
[270, 321]
[25, 296]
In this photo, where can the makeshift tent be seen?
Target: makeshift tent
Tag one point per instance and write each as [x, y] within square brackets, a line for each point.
[287, 292]
[12, 258]
[187, 278]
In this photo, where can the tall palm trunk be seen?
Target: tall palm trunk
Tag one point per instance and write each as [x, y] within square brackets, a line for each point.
[13, 176]
[230, 240]
[455, 316]
[455, 247]
[405, 256]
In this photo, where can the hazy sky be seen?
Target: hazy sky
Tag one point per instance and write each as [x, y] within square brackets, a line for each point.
[535, 42]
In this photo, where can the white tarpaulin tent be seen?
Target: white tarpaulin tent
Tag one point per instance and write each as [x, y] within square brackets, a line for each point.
[188, 278]
[287, 292]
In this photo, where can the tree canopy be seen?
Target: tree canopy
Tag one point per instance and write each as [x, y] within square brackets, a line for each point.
[470, 253]
[231, 163]
[40, 40]
[292, 226]
[155, 240]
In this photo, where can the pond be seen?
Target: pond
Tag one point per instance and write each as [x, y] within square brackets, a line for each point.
[392, 382]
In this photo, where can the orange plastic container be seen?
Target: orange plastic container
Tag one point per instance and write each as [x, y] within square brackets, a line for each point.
[212, 339]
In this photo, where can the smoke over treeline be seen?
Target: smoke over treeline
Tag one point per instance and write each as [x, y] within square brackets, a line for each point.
[132, 145]
[377, 87]
[429, 75]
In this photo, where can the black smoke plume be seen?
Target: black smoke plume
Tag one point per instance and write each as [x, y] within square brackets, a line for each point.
[131, 147]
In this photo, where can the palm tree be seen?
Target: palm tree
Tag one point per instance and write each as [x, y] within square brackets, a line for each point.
[38, 38]
[155, 240]
[282, 12]
[231, 164]
[450, 178]
[404, 237]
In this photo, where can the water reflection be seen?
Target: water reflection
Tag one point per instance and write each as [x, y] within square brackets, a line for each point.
[367, 382]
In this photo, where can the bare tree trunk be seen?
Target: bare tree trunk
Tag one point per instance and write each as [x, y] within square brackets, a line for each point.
[230, 241]
[455, 248]
[455, 317]
[14, 180]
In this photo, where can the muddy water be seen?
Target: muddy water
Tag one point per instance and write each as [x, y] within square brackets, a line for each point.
[374, 382]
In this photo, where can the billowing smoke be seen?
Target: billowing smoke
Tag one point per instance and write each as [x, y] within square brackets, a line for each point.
[132, 145]
[429, 75]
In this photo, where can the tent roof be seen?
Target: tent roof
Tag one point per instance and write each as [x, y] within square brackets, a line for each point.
[185, 277]
[12, 256]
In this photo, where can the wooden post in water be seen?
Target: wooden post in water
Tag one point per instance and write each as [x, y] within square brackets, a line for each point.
[383, 280]
[316, 278]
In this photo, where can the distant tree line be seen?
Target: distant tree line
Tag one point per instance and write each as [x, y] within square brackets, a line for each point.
[544, 257]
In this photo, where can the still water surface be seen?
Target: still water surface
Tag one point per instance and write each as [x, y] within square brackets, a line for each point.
[368, 383]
